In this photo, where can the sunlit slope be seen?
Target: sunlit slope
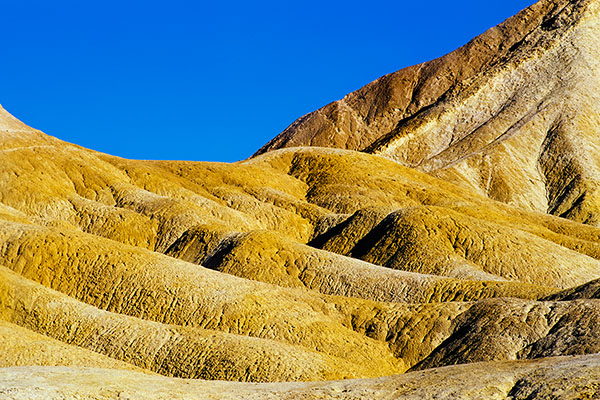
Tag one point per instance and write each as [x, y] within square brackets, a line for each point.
[23, 347]
[513, 114]
[181, 320]
[294, 197]
[421, 229]
[174, 349]
[301, 264]
[562, 377]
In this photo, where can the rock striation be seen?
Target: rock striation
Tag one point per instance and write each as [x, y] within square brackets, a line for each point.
[320, 271]
[513, 114]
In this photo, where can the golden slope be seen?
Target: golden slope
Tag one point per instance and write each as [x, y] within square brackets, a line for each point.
[23, 347]
[89, 230]
[170, 350]
[143, 284]
[319, 263]
[286, 263]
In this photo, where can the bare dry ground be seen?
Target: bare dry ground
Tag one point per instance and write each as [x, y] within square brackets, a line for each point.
[456, 256]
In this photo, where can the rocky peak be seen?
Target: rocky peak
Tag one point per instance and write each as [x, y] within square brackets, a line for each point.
[513, 113]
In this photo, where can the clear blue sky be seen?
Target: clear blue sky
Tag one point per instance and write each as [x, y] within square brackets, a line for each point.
[214, 81]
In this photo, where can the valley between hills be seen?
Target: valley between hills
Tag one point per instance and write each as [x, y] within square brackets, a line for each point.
[435, 234]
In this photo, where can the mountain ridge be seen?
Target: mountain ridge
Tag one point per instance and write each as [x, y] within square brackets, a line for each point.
[358, 269]
[498, 115]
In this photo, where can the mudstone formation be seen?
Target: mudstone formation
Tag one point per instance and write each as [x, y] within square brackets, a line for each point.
[435, 234]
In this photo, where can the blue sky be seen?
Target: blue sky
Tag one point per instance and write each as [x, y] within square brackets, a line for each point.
[210, 81]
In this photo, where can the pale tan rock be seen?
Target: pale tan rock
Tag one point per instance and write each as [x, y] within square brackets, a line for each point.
[513, 114]
[558, 378]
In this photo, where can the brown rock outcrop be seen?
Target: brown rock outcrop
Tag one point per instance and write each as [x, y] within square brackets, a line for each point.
[513, 114]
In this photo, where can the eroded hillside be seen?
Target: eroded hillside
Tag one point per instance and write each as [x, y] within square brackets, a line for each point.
[319, 263]
[513, 114]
